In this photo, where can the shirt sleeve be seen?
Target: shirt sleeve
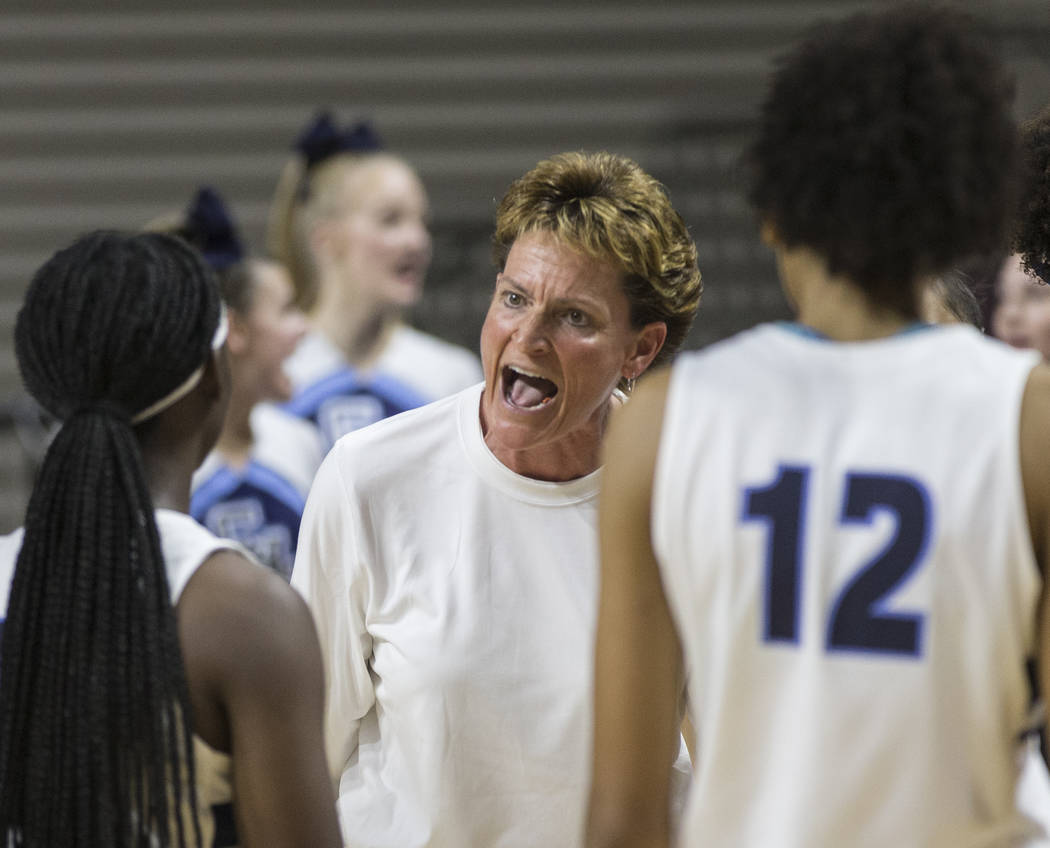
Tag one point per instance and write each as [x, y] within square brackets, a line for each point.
[329, 574]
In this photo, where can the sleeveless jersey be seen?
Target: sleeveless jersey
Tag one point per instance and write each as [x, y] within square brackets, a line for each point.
[842, 536]
[261, 504]
[412, 370]
[185, 546]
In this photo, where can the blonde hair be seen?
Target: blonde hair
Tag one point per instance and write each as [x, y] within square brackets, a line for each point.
[303, 197]
[606, 206]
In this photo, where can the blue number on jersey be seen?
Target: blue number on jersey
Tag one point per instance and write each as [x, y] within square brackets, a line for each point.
[859, 620]
[779, 505]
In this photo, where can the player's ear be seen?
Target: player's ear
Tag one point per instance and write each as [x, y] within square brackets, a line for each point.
[647, 344]
[237, 340]
[215, 380]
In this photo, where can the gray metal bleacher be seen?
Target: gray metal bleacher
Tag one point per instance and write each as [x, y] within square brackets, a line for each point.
[111, 116]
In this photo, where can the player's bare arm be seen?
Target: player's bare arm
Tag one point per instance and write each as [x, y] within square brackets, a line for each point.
[262, 699]
[638, 659]
[1035, 471]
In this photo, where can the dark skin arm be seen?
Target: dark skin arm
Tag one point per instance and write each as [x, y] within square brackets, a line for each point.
[1035, 473]
[256, 684]
[638, 677]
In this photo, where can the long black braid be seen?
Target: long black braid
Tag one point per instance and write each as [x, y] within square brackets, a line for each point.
[95, 741]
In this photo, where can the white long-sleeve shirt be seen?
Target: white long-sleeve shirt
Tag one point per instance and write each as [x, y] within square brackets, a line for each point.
[456, 605]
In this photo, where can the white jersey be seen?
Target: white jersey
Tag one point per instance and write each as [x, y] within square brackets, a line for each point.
[456, 605]
[413, 369]
[185, 546]
[843, 541]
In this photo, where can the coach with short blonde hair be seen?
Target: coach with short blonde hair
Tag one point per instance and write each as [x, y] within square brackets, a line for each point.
[449, 553]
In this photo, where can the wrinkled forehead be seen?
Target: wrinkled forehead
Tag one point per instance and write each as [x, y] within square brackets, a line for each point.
[542, 261]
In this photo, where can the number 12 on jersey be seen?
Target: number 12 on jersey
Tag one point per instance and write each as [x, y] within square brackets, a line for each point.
[858, 619]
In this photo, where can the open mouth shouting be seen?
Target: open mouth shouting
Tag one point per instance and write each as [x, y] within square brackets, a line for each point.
[410, 270]
[526, 391]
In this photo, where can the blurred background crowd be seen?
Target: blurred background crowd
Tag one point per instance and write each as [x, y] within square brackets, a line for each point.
[114, 116]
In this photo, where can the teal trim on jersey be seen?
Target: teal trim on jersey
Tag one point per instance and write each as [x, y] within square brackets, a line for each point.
[809, 333]
[226, 480]
[915, 327]
[802, 330]
[395, 395]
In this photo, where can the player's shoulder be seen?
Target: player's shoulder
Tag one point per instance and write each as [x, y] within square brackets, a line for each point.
[1035, 453]
[238, 585]
[233, 609]
[1035, 409]
[635, 429]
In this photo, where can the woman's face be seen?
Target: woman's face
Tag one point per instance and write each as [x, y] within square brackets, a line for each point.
[381, 241]
[1022, 311]
[556, 340]
[269, 332]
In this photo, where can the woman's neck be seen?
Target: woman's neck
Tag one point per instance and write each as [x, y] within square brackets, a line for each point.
[850, 318]
[169, 474]
[834, 306]
[360, 331]
[569, 458]
[237, 439]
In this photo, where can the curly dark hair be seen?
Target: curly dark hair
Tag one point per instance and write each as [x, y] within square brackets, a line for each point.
[1032, 238]
[886, 144]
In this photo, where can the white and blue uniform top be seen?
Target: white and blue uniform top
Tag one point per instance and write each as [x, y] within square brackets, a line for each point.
[843, 541]
[260, 505]
[413, 369]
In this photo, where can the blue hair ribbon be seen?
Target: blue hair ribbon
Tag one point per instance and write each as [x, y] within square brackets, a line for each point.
[212, 231]
[323, 138]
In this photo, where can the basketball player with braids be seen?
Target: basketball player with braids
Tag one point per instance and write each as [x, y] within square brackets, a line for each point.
[836, 532]
[149, 671]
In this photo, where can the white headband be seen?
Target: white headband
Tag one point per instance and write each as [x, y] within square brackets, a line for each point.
[187, 385]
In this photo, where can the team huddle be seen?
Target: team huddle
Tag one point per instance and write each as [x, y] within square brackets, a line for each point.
[295, 573]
